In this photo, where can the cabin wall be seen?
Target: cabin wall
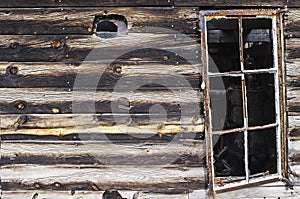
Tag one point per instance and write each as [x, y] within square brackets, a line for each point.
[293, 89]
[49, 151]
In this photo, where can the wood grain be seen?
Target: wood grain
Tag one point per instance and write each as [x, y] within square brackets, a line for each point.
[81, 3]
[71, 120]
[292, 23]
[103, 153]
[38, 100]
[171, 194]
[293, 99]
[201, 3]
[79, 20]
[101, 177]
[233, 3]
[134, 46]
[107, 72]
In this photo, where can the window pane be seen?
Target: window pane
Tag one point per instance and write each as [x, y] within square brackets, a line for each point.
[226, 103]
[258, 47]
[260, 99]
[229, 155]
[223, 45]
[262, 151]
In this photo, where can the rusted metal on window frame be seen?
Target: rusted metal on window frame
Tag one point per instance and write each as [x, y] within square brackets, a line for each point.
[278, 63]
[209, 149]
[282, 95]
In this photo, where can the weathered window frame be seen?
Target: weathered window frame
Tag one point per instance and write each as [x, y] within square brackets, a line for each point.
[281, 119]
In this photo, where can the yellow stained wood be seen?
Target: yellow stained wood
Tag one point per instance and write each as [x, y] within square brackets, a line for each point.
[118, 129]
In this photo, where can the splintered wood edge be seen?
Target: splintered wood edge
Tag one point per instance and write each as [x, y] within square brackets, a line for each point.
[117, 129]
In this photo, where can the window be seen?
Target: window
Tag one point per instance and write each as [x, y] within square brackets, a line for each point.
[244, 97]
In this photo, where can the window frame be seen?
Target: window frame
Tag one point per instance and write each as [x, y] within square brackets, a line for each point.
[280, 94]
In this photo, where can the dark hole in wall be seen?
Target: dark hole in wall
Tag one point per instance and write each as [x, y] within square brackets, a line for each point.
[107, 26]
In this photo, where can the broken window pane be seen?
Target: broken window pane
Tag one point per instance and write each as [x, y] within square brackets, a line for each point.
[262, 151]
[258, 46]
[229, 155]
[226, 103]
[223, 45]
[260, 99]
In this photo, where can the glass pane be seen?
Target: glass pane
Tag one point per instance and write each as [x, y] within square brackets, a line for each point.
[226, 103]
[258, 46]
[223, 45]
[260, 99]
[262, 151]
[229, 155]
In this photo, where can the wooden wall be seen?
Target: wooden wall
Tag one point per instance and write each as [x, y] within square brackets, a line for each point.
[47, 151]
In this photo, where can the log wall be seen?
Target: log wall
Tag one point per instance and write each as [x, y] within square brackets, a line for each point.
[49, 151]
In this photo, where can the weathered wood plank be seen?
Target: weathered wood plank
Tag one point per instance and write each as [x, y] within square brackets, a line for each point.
[195, 194]
[70, 120]
[158, 129]
[63, 75]
[292, 48]
[103, 153]
[292, 72]
[293, 99]
[66, 177]
[37, 100]
[273, 190]
[80, 20]
[134, 46]
[81, 3]
[202, 3]
[292, 23]
[234, 3]
[294, 125]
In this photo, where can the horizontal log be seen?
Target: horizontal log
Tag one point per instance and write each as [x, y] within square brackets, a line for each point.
[234, 3]
[292, 72]
[158, 129]
[109, 73]
[80, 20]
[272, 190]
[201, 3]
[292, 23]
[31, 121]
[95, 137]
[179, 48]
[66, 177]
[37, 100]
[195, 194]
[81, 3]
[293, 99]
[292, 48]
[264, 191]
[103, 153]
[294, 126]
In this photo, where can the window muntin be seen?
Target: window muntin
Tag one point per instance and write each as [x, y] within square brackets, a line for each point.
[241, 68]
